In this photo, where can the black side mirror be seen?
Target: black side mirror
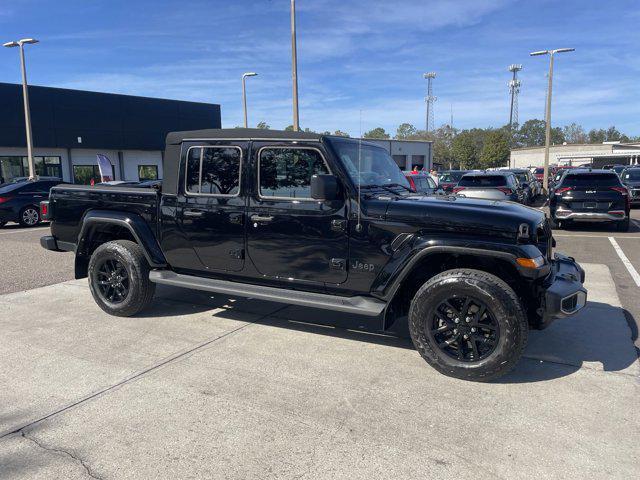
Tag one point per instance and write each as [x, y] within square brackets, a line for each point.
[324, 187]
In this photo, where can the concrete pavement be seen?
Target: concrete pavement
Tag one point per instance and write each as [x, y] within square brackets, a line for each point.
[211, 387]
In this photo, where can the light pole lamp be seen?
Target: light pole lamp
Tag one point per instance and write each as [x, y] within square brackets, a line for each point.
[25, 97]
[244, 95]
[547, 117]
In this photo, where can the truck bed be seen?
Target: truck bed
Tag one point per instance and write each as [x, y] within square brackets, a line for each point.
[70, 203]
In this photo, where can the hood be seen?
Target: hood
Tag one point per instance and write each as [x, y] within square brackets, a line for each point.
[465, 215]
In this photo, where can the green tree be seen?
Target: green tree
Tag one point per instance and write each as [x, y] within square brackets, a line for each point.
[288, 128]
[495, 151]
[464, 149]
[340, 133]
[263, 126]
[532, 134]
[406, 131]
[574, 133]
[377, 132]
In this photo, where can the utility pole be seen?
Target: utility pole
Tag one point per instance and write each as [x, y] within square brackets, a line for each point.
[547, 117]
[25, 97]
[294, 67]
[514, 90]
[429, 121]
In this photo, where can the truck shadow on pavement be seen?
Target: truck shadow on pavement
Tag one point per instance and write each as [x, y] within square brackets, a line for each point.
[599, 338]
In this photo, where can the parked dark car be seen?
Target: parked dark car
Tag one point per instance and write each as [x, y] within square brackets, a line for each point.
[422, 182]
[449, 179]
[20, 199]
[630, 177]
[324, 222]
[490, 185]
[590, 196]
[529, 184]
[616, 168]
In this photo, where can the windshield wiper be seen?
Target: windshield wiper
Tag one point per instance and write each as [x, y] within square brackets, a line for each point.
[398, 185]
[383, 187]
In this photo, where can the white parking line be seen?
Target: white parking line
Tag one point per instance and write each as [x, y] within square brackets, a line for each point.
[630, 268]
[26, 230]
[556, 235]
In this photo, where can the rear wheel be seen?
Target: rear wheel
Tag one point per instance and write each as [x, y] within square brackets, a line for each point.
[623, 225]
[29, 216]
[119, 278]
[468, 324]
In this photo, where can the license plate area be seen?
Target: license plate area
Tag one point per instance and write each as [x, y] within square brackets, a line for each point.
[589, 204]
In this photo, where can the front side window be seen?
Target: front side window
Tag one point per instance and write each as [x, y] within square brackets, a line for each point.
[287, 172]
[213, 171]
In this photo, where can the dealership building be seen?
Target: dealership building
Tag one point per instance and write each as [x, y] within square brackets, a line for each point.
[595, 154]
[408, 153]
[70, 127]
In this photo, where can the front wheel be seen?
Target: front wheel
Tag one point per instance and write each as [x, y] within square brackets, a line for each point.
[119, 278]
[468, 324]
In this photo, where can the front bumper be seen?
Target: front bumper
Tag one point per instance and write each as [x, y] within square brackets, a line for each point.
[564, 291]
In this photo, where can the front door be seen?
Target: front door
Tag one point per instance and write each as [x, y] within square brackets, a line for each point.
[210, 209]
[289, 235]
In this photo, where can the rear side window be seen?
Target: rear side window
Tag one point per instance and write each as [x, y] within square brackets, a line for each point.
[287, 172]
[483, 181]
[213, 171]
[591, 180]
[539, 170]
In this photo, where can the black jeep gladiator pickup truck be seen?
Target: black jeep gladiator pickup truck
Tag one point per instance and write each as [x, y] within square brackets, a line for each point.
[325, 222]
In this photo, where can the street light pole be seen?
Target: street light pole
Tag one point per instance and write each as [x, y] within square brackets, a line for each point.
[294, 67]
[25, 97]
[244, 95]
[547, 117]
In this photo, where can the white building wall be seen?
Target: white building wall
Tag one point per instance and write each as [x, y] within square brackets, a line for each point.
[81, 156]
[133, 158]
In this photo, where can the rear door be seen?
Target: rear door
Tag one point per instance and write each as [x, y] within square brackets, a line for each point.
[210, 208]
[289, 235]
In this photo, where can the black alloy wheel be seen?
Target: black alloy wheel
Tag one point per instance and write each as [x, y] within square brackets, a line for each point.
[112, 281]
[464, 328]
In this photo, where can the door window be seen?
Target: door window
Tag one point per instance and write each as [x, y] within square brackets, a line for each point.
[213, 171]
[286, 172]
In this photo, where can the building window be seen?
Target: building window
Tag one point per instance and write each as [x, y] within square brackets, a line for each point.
[147, 172]
[213, 171]
[401, 161]
[18, 166]
[83, 174]
[287, 172]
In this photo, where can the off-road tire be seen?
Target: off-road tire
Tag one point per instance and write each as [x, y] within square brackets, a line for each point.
[141, 289]
[623, 225]
[501, 301]
[31, 208]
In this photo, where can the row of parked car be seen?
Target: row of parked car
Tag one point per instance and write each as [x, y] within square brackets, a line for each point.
[517, 185]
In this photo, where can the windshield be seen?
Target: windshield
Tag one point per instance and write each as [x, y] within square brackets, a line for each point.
[522, 177]
[376, 166]
[451, 177]
[631, 174]
[619, 169]
[539, 170]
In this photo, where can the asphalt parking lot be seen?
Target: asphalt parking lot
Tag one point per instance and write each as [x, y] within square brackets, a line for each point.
[212, 387]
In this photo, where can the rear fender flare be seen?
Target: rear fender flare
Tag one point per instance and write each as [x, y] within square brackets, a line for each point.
[134, 223]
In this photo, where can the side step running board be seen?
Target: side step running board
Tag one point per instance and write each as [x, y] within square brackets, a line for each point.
[358, 305]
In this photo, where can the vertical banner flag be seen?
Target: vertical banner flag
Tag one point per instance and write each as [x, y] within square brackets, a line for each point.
[106, 169]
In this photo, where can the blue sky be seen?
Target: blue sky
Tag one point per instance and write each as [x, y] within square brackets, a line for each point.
[352, 55]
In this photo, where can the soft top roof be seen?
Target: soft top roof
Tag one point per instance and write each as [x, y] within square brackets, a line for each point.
[175, 138]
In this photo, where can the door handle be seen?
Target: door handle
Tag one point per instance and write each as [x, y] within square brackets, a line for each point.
[260, 218]
[193, 213]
